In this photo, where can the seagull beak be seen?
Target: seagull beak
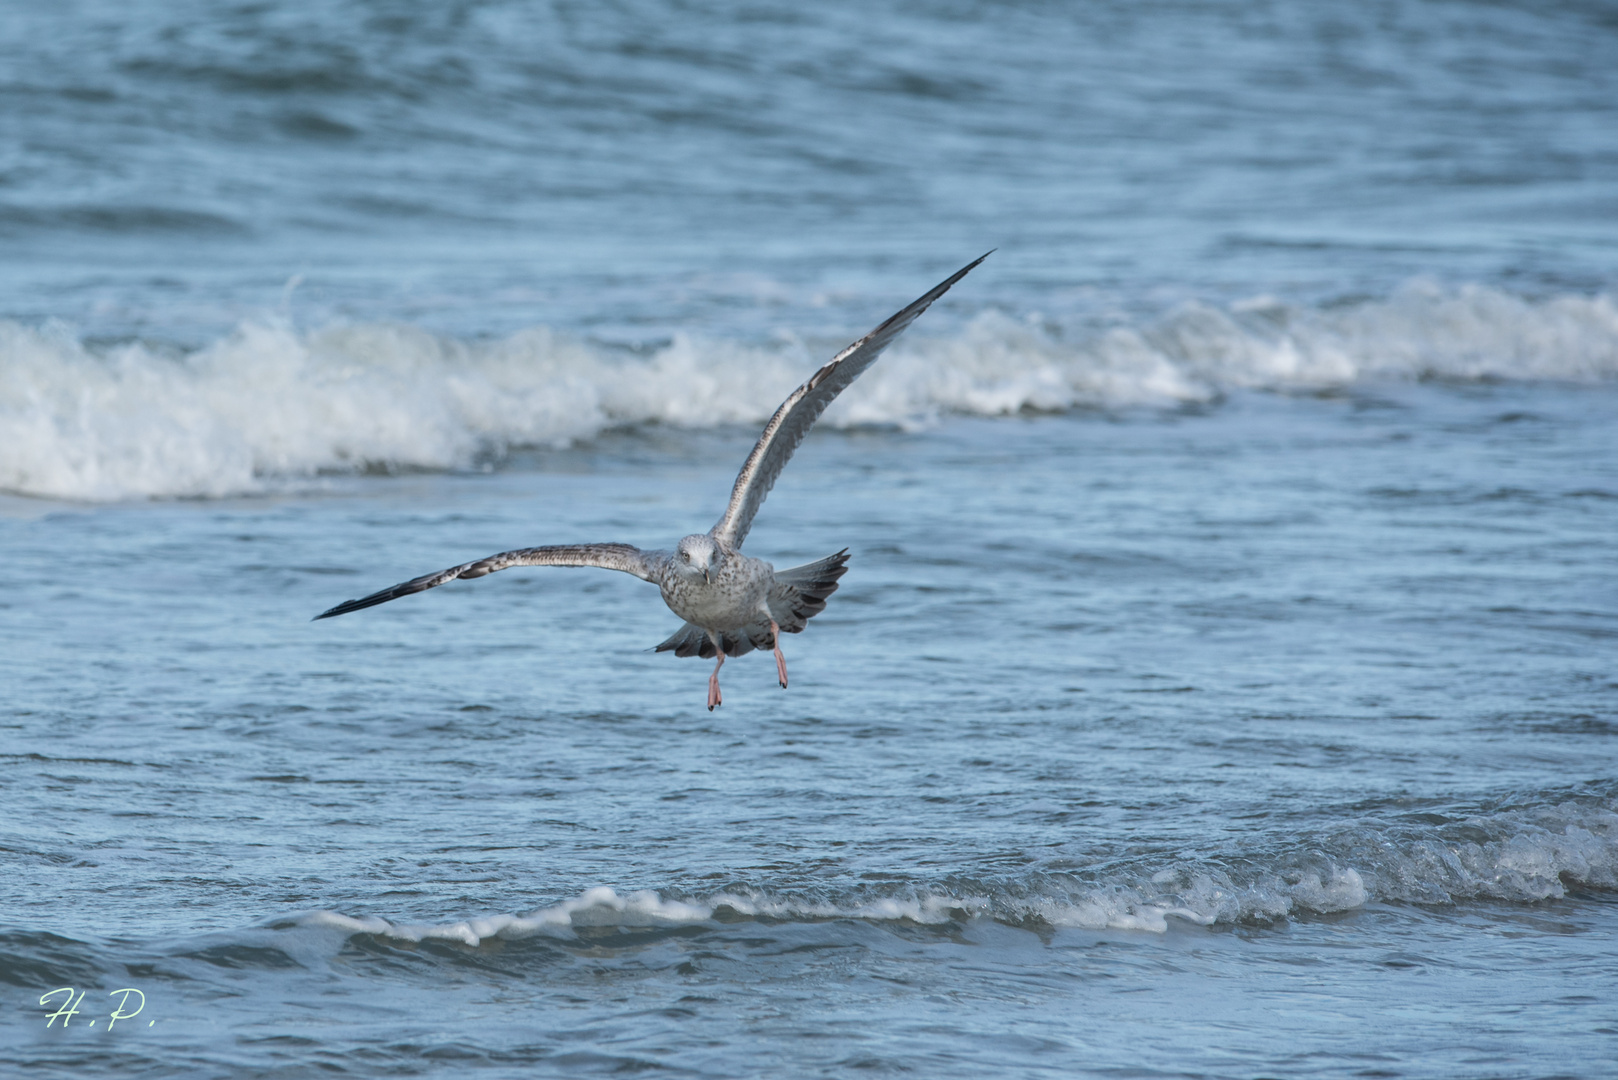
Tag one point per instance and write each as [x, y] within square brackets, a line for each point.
[707, 575]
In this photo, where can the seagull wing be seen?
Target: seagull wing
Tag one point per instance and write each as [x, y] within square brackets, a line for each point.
[631, 560]
[798, 414]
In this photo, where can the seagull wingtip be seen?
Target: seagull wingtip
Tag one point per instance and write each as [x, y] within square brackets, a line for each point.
[969, 267]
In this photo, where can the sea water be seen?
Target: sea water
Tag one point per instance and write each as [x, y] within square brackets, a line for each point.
[1223, 683]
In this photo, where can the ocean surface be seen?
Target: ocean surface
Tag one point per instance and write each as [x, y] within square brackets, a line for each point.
[1224, 683]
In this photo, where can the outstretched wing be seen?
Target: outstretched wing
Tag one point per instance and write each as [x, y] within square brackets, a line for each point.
[798, 414]
[631, 560]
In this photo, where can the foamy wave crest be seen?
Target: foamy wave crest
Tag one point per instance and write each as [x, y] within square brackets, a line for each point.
[1521, 857]
[269, 403]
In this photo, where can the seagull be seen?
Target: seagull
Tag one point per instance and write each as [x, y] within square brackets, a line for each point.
[731, 603]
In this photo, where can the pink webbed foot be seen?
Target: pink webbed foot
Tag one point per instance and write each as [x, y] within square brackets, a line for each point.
[714, 696]
[780, 661]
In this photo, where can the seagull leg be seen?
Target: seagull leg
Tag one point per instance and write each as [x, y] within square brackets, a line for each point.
[780, 661]
[714, 697]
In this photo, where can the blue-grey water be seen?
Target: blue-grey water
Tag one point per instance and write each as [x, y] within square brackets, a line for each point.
[1224, 680]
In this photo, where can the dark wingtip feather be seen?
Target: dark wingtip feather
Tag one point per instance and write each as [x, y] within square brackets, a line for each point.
[357, 605]
[342, 609]
[907, 315]
[392, 592]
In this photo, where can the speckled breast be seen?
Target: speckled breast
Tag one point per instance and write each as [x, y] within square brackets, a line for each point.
[733, 599]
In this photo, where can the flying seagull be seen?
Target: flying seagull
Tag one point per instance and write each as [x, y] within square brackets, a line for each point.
[731, 603]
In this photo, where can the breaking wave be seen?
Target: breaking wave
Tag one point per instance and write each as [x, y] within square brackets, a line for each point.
[269, 403]
[1515, 857]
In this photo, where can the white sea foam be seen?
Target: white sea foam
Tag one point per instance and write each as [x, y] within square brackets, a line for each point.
[1523, 857]
[269, 403]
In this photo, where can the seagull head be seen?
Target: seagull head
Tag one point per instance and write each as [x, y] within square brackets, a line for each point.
[698, 556]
